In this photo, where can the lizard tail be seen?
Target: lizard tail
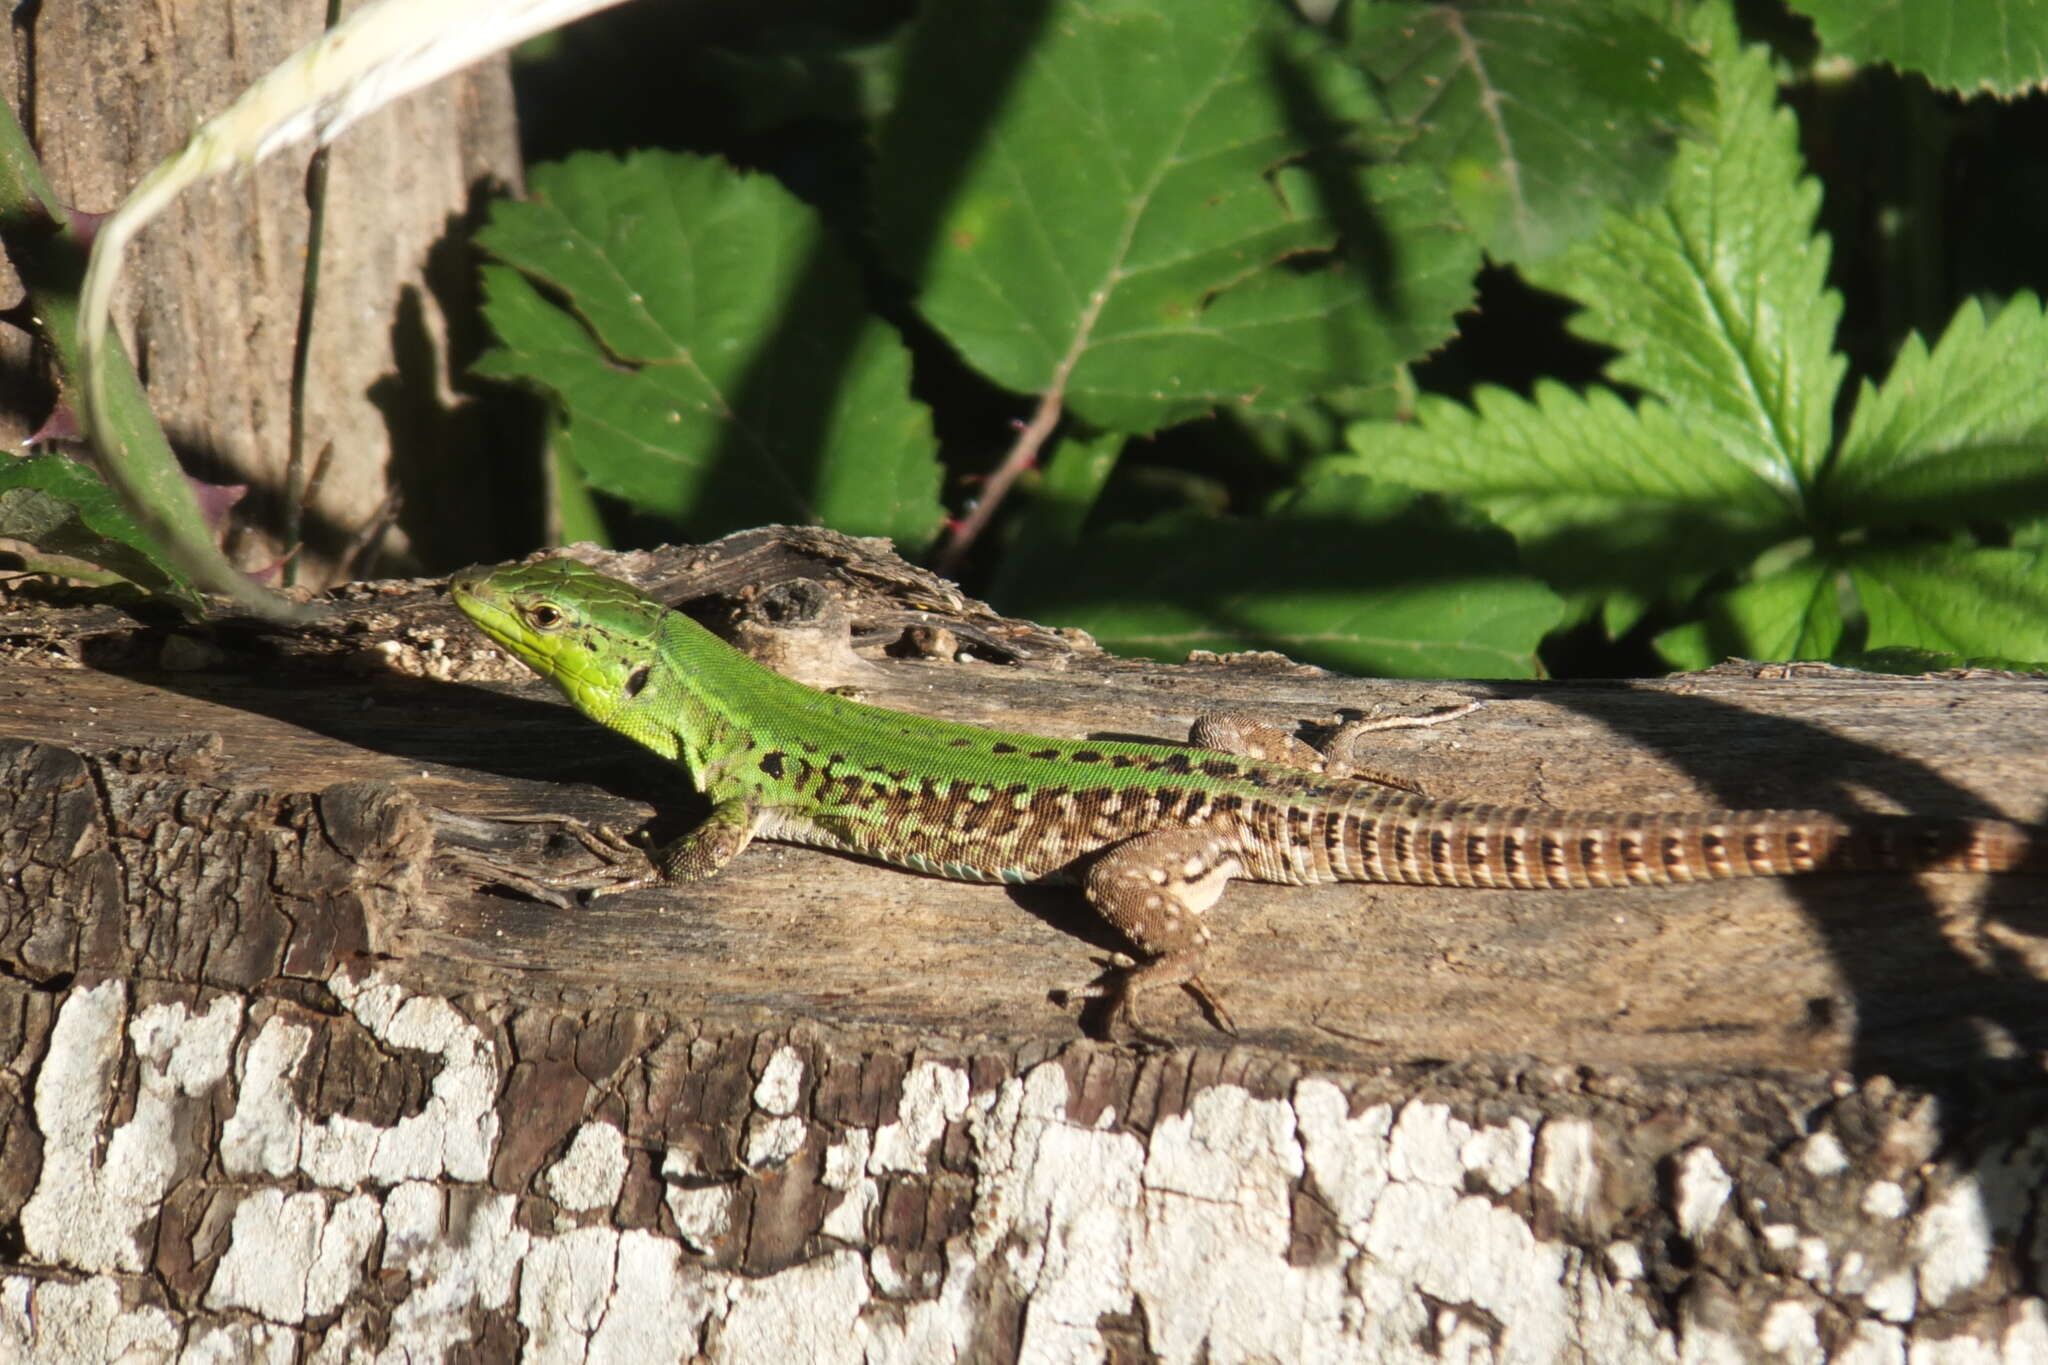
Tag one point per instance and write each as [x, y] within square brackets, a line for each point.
[1498, 846]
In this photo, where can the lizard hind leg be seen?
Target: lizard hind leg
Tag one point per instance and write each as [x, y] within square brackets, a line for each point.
[1247, 736]
[1154, 889]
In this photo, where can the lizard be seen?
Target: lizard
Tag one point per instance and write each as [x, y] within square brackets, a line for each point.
[1152, 832]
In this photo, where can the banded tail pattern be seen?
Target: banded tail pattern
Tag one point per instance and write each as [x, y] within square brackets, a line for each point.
[1425, 843]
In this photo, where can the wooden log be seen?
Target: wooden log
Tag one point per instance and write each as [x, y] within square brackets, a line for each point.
[295, 1066]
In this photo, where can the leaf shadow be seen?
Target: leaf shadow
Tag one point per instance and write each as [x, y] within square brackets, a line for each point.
[800, 343]
[1363, 240]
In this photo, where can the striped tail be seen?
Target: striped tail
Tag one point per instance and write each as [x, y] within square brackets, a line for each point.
[1424, 843]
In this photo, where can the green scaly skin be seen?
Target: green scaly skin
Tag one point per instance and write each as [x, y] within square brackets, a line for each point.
[1153, 832]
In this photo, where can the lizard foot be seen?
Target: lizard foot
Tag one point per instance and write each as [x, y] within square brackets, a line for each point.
[1124, 981]
[613, 850]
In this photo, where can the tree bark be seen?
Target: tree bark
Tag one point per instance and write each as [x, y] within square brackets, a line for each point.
[295, 1067]
[211, 306]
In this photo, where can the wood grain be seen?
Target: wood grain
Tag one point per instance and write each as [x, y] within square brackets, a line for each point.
[1911, 975]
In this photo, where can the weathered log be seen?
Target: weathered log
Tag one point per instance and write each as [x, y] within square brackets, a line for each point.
[294, 1065]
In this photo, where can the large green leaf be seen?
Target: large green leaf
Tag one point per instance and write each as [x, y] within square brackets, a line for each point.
[1541, 116]
[1956, 600]
[1794, 613]
[1600, 495]
[1967, 45]
[711, 350]
[1955, 434]
[1157, 216]
[1348, 574]
[1716, 297]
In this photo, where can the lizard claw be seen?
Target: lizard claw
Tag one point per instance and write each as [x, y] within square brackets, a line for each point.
[562, 889]
[1212, 1005]
[1117, 993]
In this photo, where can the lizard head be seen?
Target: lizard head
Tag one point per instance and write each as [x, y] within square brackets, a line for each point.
[589, 634]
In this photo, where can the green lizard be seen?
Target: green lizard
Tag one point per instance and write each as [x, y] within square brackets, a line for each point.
[1152, 832]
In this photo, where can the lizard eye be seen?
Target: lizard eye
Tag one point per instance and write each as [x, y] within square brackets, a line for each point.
[544, 617]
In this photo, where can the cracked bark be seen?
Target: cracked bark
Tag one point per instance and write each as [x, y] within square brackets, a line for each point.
[287, 1062]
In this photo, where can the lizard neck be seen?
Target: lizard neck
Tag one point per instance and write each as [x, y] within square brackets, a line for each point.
[691, 697]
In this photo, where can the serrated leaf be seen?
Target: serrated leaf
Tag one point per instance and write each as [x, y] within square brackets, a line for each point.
[1716, 297]
[1540, 116]
[1995, 45]
[1599, 494]
[1953, 434]
[720, 367]
[1795, 613]
[1368, 579]
[61, 506]
[1956, 600]
[1147, 208]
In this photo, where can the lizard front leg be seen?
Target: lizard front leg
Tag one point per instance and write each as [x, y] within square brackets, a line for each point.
[690, 857]
[1154, 888]
[703, 851]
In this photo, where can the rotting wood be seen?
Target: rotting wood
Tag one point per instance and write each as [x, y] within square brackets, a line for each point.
[244, 929]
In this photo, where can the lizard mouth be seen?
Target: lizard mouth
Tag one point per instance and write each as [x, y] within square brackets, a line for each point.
[487, 613]
[495, 619]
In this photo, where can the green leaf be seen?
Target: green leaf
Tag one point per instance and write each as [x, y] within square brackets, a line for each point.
[1716, 296]
[1953, 435]
[1154, 214]
[1967, 45]
[1956, 600]
[1069, 486]
[62, 507]
[1540, 116]
[1599, 494]
[1363, 578]
[1900, 659]
[1795, 613]
[1715, 301]
[715, 362]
